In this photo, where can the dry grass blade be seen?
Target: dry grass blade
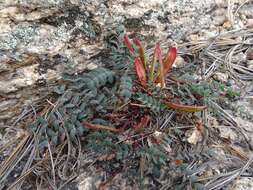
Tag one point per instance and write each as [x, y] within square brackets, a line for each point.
[164, 121]
[19, 181]
[20, 151]
[9, 144]
[237, 71]
[227, 178]
[52, 163]
[229, 118]
[239, 7]
[26, 168]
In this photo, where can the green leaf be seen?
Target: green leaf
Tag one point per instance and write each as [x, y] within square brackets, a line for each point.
[43, 144]
[55, 140]
[69, 105]
[199, 186]
[73, 133]
[82, 116]
[60, 89]
[76, 111]
[50, 132]
[75, 100]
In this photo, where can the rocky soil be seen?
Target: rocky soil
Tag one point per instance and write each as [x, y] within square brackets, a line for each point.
[41, 39]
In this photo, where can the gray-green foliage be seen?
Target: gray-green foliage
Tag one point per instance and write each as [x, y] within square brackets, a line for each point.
[155, 158]
[125, 88]
[121, 59]
[86, 96]
[81, 97]
[101, 142]
[154, 104]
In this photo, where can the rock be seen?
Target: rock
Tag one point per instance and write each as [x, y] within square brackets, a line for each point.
[195, 137]
[219, 154]
[246, 10]
[33, 3]
[89, 180]
[135, 8]
[9, 12]
[179, 62]
[87, 184]
[212, 121]
[220, 3]
[228, 133]
[245, 124]
[3, 67]
[243, 183]
[6, 88]
[4, 105]
[250, 23]
[222, 77]
[240, 57]
[25, 77]
[227, 25]
[219, 12]
[193, 37]
[250, 64]
[219, 20]
[250, 54]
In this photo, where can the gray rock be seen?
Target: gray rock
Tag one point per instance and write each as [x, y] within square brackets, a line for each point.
[4, 105]
[246, 10]
[219, 20]
[87, 184]
[242, 184]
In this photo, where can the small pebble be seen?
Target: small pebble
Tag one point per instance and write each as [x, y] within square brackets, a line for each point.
[227, 24]
[250, 23]
[222, 77]
[250, 64]
[219, 20]
[250, 54]
[179, 62]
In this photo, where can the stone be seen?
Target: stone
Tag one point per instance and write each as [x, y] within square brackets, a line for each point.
[219, 12]
[228, 133]
[5, 104]
[25, 77]
[87, 184]
[246, 10]
[250, 64]
[250, 54]
[220, 3]
[6, 88]
[245, 124]
[227, 25]
[194, 137]
[219, 20]
[222, 77]
[243, 183]
[179, 62]
[8, 12]
[3, 67]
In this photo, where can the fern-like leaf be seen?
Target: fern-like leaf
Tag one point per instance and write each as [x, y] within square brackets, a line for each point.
[125, 88]
[152, 103]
